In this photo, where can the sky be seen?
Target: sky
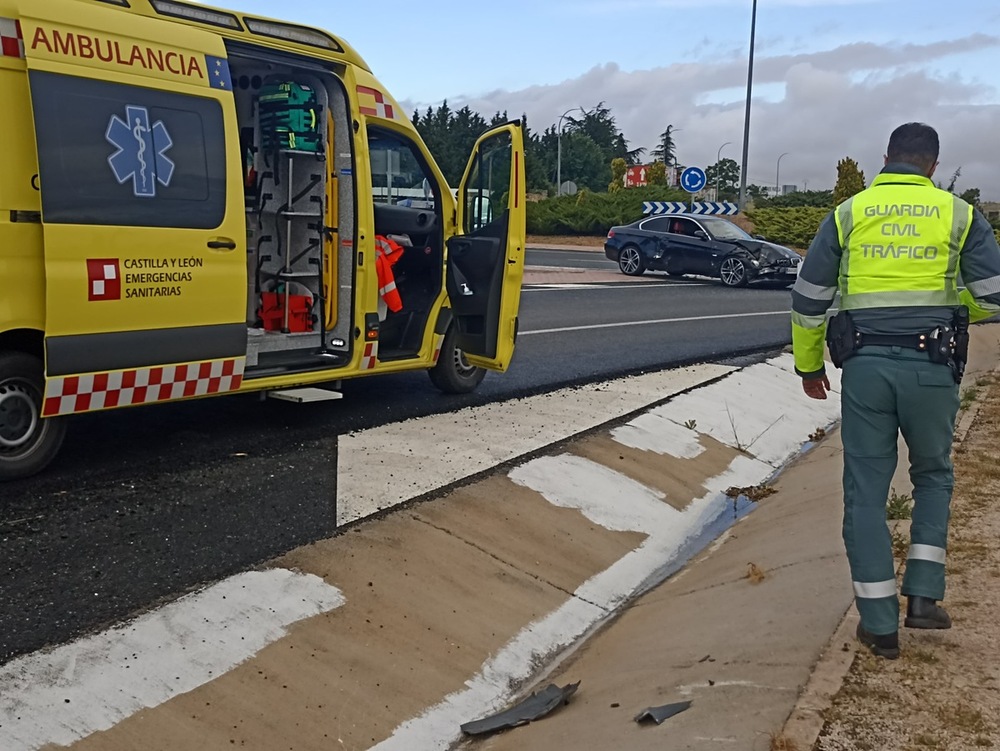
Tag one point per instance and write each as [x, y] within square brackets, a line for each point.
[832, 78]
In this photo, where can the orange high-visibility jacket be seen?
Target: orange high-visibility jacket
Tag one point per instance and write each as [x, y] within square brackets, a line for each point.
[387, 252]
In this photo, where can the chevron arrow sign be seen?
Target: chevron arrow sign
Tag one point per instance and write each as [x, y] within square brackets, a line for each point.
[702, 208]
[654, 208]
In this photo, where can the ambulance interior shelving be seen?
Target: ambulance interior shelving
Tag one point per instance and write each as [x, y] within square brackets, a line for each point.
[301, 232]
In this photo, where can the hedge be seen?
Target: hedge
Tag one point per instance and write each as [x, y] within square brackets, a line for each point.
[795, 227]
[594, 213]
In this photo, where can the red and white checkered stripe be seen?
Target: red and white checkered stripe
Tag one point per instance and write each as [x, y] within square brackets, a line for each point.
[438, 343]
[11, 39]
[67, 395]
[369, 97]
[370, 357]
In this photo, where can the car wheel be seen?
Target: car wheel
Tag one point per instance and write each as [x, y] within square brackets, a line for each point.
[733, 272]
[454, 374]
[631, 262]
[28, 442]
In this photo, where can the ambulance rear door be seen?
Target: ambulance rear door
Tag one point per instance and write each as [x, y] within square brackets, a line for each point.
[142, 207]
[486, 261]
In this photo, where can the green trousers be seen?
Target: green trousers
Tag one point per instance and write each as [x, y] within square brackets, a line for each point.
[886, 390]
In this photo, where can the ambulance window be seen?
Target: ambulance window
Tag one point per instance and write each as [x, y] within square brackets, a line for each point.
[112, 154]
[487, 188]
[399, 173]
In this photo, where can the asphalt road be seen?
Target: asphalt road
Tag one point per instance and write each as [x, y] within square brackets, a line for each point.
[146, 503]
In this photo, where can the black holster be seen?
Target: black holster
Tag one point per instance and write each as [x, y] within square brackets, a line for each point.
[841, 338]
[960, 354]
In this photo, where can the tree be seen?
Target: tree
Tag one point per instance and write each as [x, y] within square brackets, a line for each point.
[584, 162]
[657, 174]
[850, 180]
[972, 196]
[618, 169]
[725, 175]
[756, 192]
[666, 148]
[954, 179]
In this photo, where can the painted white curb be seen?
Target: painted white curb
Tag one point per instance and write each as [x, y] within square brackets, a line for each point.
[64, 695]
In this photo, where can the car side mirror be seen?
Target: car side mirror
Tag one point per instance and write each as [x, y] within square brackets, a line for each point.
[701, 234]
[759, 237]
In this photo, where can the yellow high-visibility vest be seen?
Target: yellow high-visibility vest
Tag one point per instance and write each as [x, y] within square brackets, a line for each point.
[901, 240]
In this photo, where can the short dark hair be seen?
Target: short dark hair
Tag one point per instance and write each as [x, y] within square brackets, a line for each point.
[914, 143]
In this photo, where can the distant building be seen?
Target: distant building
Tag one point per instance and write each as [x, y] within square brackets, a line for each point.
[991, 210]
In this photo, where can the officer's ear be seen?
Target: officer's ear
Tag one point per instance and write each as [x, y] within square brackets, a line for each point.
[930, 173]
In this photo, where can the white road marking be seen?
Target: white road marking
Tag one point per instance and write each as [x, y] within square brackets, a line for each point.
[657, 321]
[431, 452]
[64, 695]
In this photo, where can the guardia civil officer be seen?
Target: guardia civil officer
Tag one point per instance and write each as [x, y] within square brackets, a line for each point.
[894, 252]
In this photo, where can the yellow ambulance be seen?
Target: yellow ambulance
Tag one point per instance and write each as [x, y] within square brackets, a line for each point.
[196, 202]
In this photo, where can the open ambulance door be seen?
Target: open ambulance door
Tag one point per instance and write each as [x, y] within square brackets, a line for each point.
[486, 262]
[142, 207]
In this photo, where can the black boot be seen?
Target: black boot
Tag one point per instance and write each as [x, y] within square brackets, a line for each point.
[881, 645]
[923, 612]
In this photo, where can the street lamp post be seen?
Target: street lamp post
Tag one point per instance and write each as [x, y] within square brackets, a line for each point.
[777, 175]
[746, 124]
[559, 148]
[718, 158]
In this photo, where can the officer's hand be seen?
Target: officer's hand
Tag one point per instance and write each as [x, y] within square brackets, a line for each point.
[816, 388]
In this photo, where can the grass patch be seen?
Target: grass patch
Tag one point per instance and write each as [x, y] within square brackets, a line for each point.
[899, 506]
[921, 656]
[753, 493]
[755, 573]
[969, 396]
[900, 545]
[781, 742]
[962, 717]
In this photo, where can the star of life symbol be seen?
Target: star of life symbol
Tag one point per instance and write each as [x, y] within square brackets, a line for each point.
[141, 151]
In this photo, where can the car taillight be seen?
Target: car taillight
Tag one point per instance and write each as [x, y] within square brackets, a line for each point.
[611, 233]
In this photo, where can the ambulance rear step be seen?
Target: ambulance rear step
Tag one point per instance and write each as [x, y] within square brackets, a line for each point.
[304, 395]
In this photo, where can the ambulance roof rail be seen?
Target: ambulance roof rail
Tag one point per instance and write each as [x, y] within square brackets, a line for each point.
[196, 13]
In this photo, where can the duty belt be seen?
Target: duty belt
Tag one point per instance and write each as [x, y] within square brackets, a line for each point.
[906, 341]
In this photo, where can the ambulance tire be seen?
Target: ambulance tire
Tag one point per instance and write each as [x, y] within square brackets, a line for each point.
[453, 374]
[28, 443]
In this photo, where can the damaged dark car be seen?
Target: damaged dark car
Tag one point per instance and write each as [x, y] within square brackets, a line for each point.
[681, 244]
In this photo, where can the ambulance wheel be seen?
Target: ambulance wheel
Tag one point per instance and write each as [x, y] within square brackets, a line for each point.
[27, 441]
[453, 373]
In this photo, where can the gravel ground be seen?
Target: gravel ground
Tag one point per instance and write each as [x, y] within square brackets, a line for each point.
[944, 690]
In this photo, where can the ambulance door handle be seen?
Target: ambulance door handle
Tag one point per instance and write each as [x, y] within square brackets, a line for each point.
[222, 243]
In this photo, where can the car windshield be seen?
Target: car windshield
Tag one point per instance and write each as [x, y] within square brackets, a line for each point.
[720, 229]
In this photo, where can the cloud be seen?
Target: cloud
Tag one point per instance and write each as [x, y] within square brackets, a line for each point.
[838, 102]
